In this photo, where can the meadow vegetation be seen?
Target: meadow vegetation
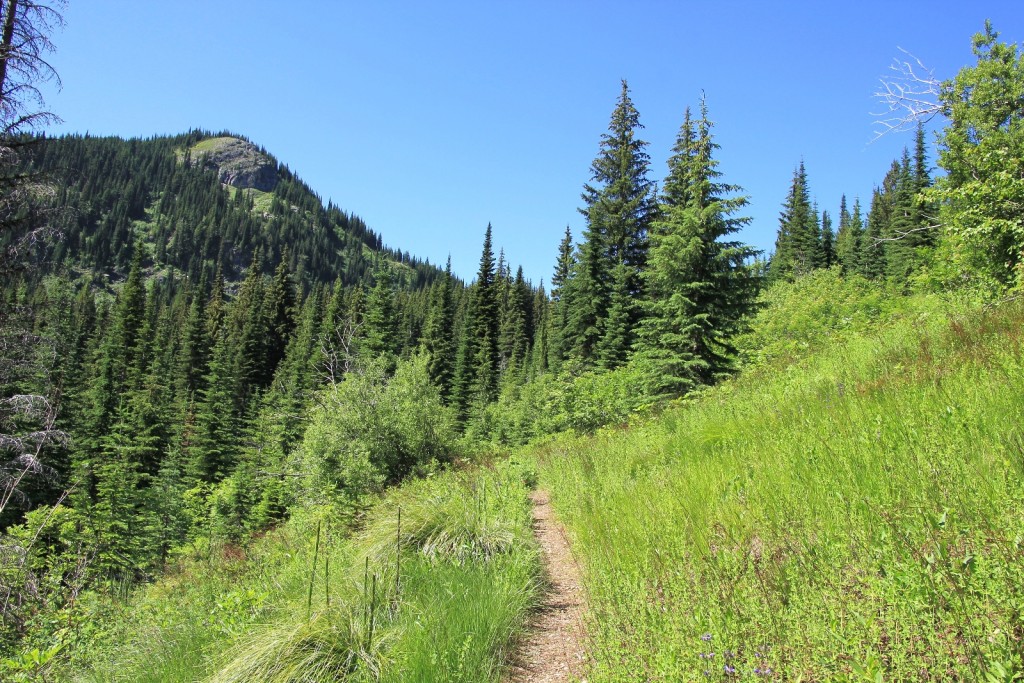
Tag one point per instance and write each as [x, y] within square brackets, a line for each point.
[849, 512]
[434, 584]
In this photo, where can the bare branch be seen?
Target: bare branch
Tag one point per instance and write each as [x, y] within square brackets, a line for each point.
[338, 353]
[903, 233]
[909, 94]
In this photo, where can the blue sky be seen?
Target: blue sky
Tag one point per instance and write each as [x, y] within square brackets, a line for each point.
[431, 119]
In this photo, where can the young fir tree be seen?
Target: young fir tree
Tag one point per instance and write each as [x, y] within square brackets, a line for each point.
[514, 336]
[379, 334]
[439, 333]
[616, 341]
[280, 312]
[798, 248]
[701, 285]
[195, 346]
[909, 236]
[247, 334]
[558, 320]
[849, 236]
[874, 252]
[619, 208]
[540, 345]
[828, 241]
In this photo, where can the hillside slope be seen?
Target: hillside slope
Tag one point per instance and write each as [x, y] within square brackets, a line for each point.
[203, 201]
[856, 515]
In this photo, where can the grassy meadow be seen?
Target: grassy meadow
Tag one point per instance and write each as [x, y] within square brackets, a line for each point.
[849, 509]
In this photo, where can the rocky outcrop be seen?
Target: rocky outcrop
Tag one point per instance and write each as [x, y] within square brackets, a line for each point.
[239, 163]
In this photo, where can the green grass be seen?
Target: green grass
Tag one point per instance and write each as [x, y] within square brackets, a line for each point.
[210, 145]
[856, 515]
[306, 604]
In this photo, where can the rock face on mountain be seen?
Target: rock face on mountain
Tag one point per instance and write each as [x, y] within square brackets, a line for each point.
[239, 163]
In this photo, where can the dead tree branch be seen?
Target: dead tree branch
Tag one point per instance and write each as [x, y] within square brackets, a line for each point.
[909, 94]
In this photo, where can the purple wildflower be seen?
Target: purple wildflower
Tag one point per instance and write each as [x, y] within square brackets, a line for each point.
[706, 637]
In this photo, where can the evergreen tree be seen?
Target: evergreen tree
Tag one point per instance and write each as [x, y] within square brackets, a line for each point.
[798, 248]
[195, 344]
[616, 341]
[540, 345]
[879, 225]
[558, 342]
[828, 241]
[700, 284]
[379, 334]
[848, 239]
[476, 371]
[280, 312]
[619, 208]
[438, 336]
[485, 329]
[514, 334]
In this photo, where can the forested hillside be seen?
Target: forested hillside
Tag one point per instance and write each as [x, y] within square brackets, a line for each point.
[241, 439]
[201, 203]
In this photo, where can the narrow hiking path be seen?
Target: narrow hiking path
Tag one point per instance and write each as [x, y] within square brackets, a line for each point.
[554, 649]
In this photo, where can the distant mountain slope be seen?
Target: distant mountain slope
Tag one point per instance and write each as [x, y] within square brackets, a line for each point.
[202, 201]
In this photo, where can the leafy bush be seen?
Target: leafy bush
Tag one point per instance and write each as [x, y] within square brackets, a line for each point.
[575, 400]
[820, 308]
[373, 428]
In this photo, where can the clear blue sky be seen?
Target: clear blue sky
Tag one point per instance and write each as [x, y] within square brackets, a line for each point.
[431, 119]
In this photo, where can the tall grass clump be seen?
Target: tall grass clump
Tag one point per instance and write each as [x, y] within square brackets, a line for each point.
[436, 585]
[176, 628]
[856, 515]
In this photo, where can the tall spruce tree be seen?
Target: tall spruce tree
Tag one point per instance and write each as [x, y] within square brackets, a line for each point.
[485, 327]
[476, 371]
[619, 208]
[700, 284]
[828, 241]
[878, 231]
[380, 331]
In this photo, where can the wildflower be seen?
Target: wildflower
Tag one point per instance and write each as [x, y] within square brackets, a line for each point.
[730, 670]
[706, 637]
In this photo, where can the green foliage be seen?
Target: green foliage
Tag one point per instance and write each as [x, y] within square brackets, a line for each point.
[439, 333]
[373, 428]
[379, 336]
[982, 151]
[577, 400]
[822, 309]
[454, 518]
[700, 286]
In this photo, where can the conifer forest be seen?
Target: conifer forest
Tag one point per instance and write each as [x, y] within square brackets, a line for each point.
[244, 439]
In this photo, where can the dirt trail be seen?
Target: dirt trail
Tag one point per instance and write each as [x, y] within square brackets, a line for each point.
[554, 649]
